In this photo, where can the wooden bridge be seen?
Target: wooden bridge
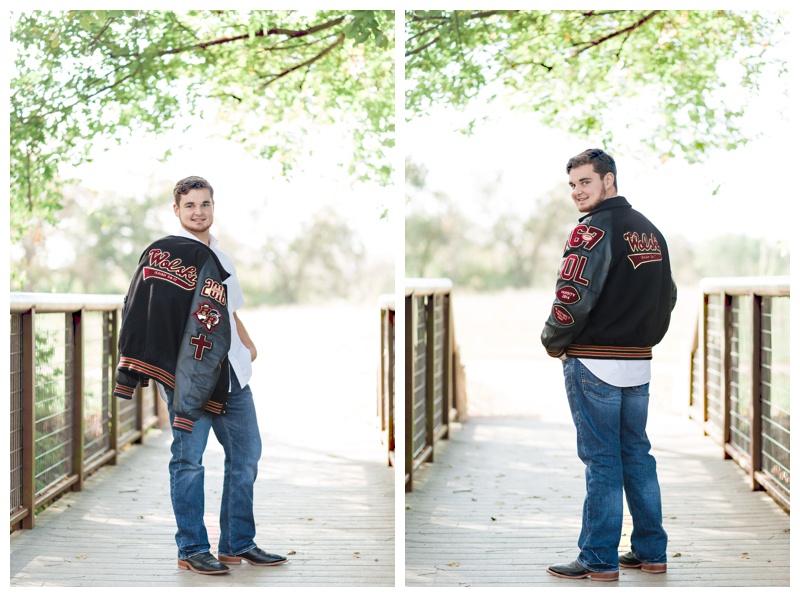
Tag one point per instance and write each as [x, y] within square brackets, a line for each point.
[324, 493]
[503, 501]
[500, 499]
[494, 489]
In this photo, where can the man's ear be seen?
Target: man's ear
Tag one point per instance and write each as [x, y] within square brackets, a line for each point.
[609, 180]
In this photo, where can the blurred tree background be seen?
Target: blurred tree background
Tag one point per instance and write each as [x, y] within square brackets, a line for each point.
[512, 249]
[578, 69]
[84, 82]
[657, 86]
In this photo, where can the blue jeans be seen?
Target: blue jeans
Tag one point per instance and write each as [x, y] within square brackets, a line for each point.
[237, 431]
[613, 444]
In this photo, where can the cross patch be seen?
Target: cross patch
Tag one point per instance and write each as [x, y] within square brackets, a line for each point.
[200, 344]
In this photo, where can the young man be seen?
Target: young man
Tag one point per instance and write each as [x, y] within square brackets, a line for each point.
[614, 297]
[186, 293]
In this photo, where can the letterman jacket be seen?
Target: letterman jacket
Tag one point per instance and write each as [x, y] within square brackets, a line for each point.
[176, 328]
[614, 293]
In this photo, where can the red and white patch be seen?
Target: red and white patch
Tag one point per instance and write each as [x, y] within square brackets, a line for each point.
[207, 316]
[562, 316]
[568, 295]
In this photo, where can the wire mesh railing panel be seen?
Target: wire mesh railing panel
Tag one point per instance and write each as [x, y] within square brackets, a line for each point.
[439, 335]
[419, 437]
[50, 426]
[15, 416]
[54, 399]
[696, 398]
[150, 397]
[715, 333]
[127, 416]
[96, 412]
[741, 378]
[775, 407]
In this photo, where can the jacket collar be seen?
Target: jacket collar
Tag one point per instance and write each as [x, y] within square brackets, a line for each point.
[611, 203]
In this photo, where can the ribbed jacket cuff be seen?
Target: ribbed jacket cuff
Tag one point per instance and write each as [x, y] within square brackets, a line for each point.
[182, 423]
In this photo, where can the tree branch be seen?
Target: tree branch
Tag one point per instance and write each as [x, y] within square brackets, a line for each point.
[225, 40]
[458, 38]
[442, 19]
[339, 39]
[475, 15]
[419, 33]
[590, 44]
[424, 46]
[304, 32]
[528, 62]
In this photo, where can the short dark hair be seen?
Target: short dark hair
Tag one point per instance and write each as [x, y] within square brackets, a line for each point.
[183, 186]
[600, 161]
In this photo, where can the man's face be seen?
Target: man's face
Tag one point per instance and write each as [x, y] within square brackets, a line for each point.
[196, 210]
[588, 189]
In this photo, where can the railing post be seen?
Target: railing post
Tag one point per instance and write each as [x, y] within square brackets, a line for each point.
[387, 379]
[75, 319]
[755, 407]
[380, 407]
[113, 409]
[447, 368]
[139, 423]
[391, 383]
[29, 418]
[725, 377]
[704, 361]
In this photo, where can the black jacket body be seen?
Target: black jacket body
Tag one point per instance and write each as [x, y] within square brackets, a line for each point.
[614, 293]
[176, 328]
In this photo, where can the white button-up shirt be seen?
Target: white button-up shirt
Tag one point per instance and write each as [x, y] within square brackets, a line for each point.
[239, 355]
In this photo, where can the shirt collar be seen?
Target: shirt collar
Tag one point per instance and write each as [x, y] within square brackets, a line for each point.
[186, 234]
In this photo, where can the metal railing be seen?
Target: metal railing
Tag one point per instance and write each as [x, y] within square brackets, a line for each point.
[740, 376]
[386, 374]
[433, 374]
[64, 420]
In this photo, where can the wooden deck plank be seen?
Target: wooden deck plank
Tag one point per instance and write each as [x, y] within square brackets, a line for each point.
[324, 493]
[503, 501]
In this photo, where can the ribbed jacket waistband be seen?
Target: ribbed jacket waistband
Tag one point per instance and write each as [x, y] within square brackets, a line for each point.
[610, 352]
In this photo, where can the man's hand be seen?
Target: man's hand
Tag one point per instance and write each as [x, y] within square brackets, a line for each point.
[245, 338]
[563, 357]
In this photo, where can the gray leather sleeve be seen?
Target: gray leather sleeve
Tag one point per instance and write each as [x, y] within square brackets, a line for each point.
[584, 270]
[203, 349]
